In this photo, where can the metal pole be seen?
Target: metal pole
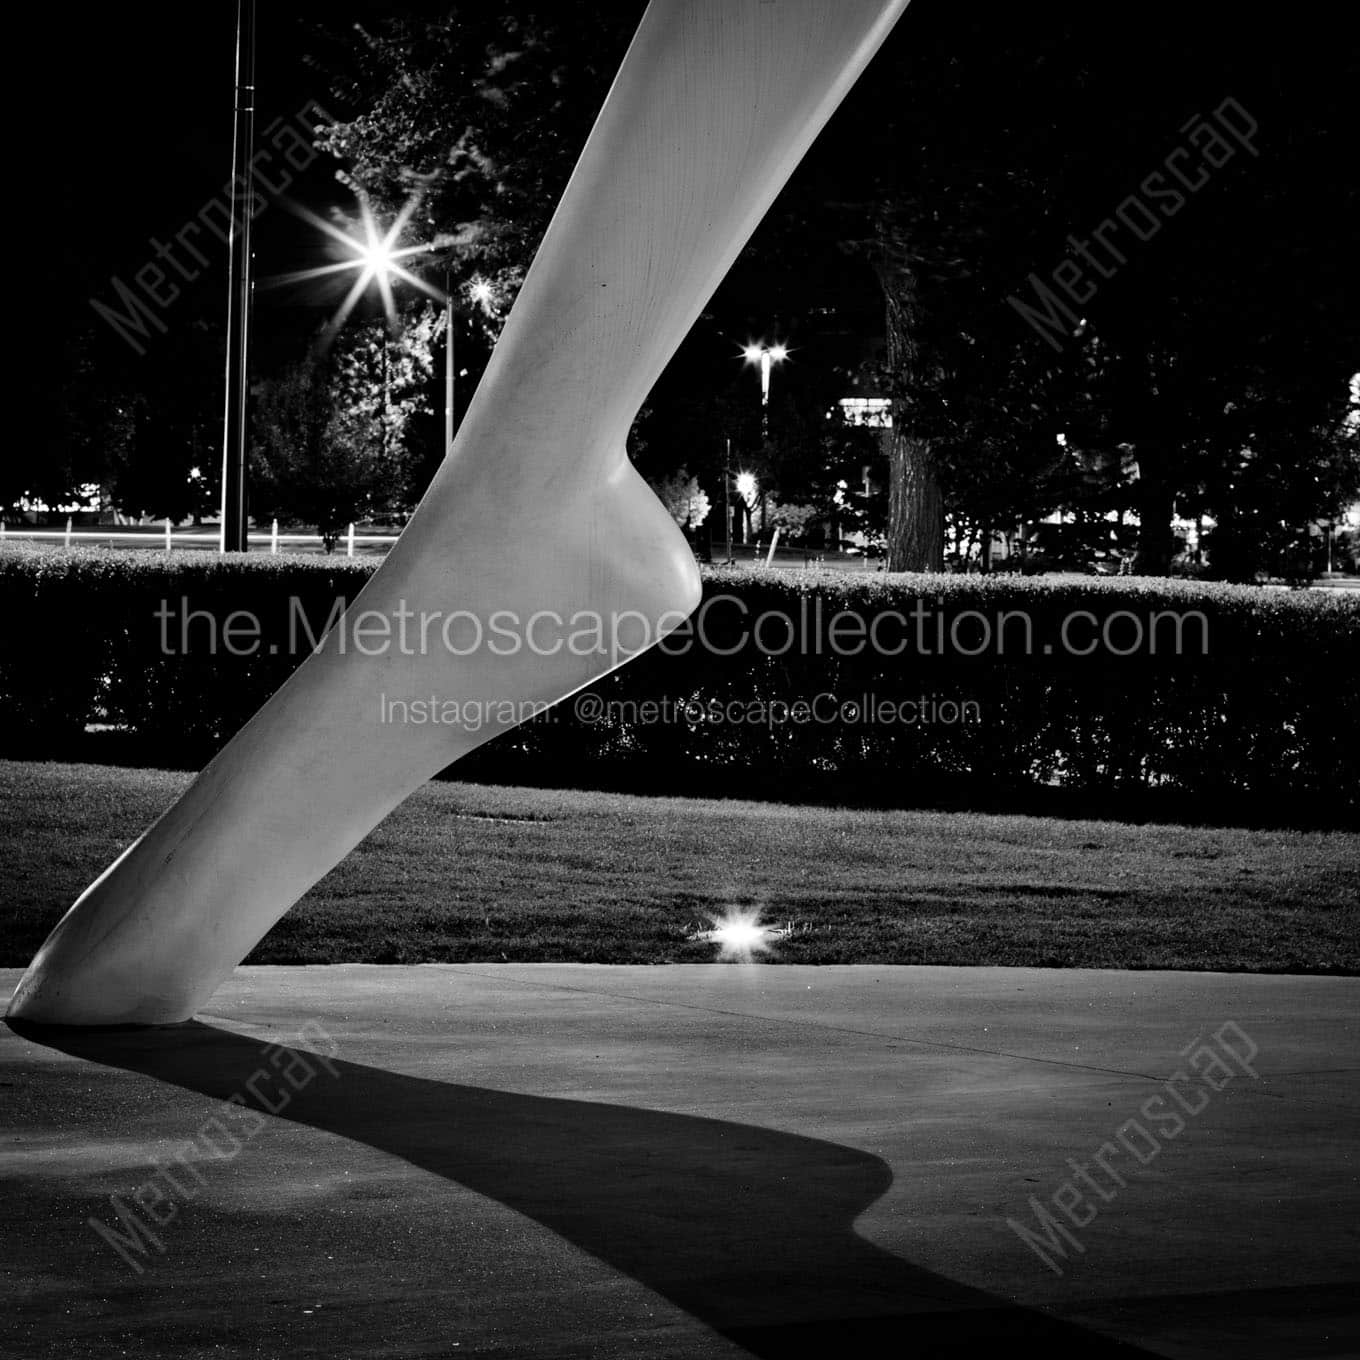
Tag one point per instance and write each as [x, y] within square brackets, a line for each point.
[727, 506]
[774, 543]
[448, 365]
[765, 361]
[382, 413]
[233, 535]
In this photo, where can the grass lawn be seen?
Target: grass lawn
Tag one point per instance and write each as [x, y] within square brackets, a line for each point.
[470, 873]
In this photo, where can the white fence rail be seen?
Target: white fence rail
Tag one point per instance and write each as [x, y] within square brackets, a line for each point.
[172, 537]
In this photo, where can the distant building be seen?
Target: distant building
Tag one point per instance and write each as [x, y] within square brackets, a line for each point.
[870, 413]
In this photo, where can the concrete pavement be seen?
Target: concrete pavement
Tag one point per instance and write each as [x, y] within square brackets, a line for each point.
[568, 1160]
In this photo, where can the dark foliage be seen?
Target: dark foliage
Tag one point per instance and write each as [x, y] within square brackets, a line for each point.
[1083, 691]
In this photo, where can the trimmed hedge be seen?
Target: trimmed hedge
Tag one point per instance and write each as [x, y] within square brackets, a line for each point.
[1256, 715]
[83, 642]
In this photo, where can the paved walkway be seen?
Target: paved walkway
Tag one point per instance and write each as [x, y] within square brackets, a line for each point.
[581, 1161]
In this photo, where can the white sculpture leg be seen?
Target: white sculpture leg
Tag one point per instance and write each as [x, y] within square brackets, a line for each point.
[536, 512]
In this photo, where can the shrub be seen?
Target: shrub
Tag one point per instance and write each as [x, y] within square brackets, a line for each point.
[87, 642]
[1254, 713]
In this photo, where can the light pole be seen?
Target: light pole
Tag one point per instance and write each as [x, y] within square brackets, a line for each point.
[234, 435]
[373, 255]
[386, 398]
[378, 263]
[727, 503]
[448, 361]
[765, 357]
[484, 295]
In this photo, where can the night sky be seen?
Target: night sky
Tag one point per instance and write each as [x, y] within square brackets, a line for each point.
[130, 120]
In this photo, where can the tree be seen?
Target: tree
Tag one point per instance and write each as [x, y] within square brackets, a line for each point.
[163, 451]
[973, 154]
[939, 174]
[1270, 502]
[793, 521]
[305, 470]
[478, 115]
[330, 431]
[154, 478]
[980, 149]
[686, 501]
[85, 429]
[379, 379]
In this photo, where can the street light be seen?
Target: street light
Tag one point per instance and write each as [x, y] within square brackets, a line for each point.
[766, 356]
[481, 293]
[373, 255]
[484, 295]
[378, 260]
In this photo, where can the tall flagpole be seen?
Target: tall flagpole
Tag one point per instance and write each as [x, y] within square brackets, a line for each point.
[238, 294]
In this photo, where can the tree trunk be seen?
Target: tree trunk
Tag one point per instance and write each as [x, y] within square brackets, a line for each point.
[915, 503]
[915, 508]
[1155, 499]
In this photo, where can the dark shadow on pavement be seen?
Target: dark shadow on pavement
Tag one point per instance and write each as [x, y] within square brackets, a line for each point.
[748, 1229]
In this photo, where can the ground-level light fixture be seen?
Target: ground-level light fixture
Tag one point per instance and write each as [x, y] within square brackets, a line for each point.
[740, 934]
